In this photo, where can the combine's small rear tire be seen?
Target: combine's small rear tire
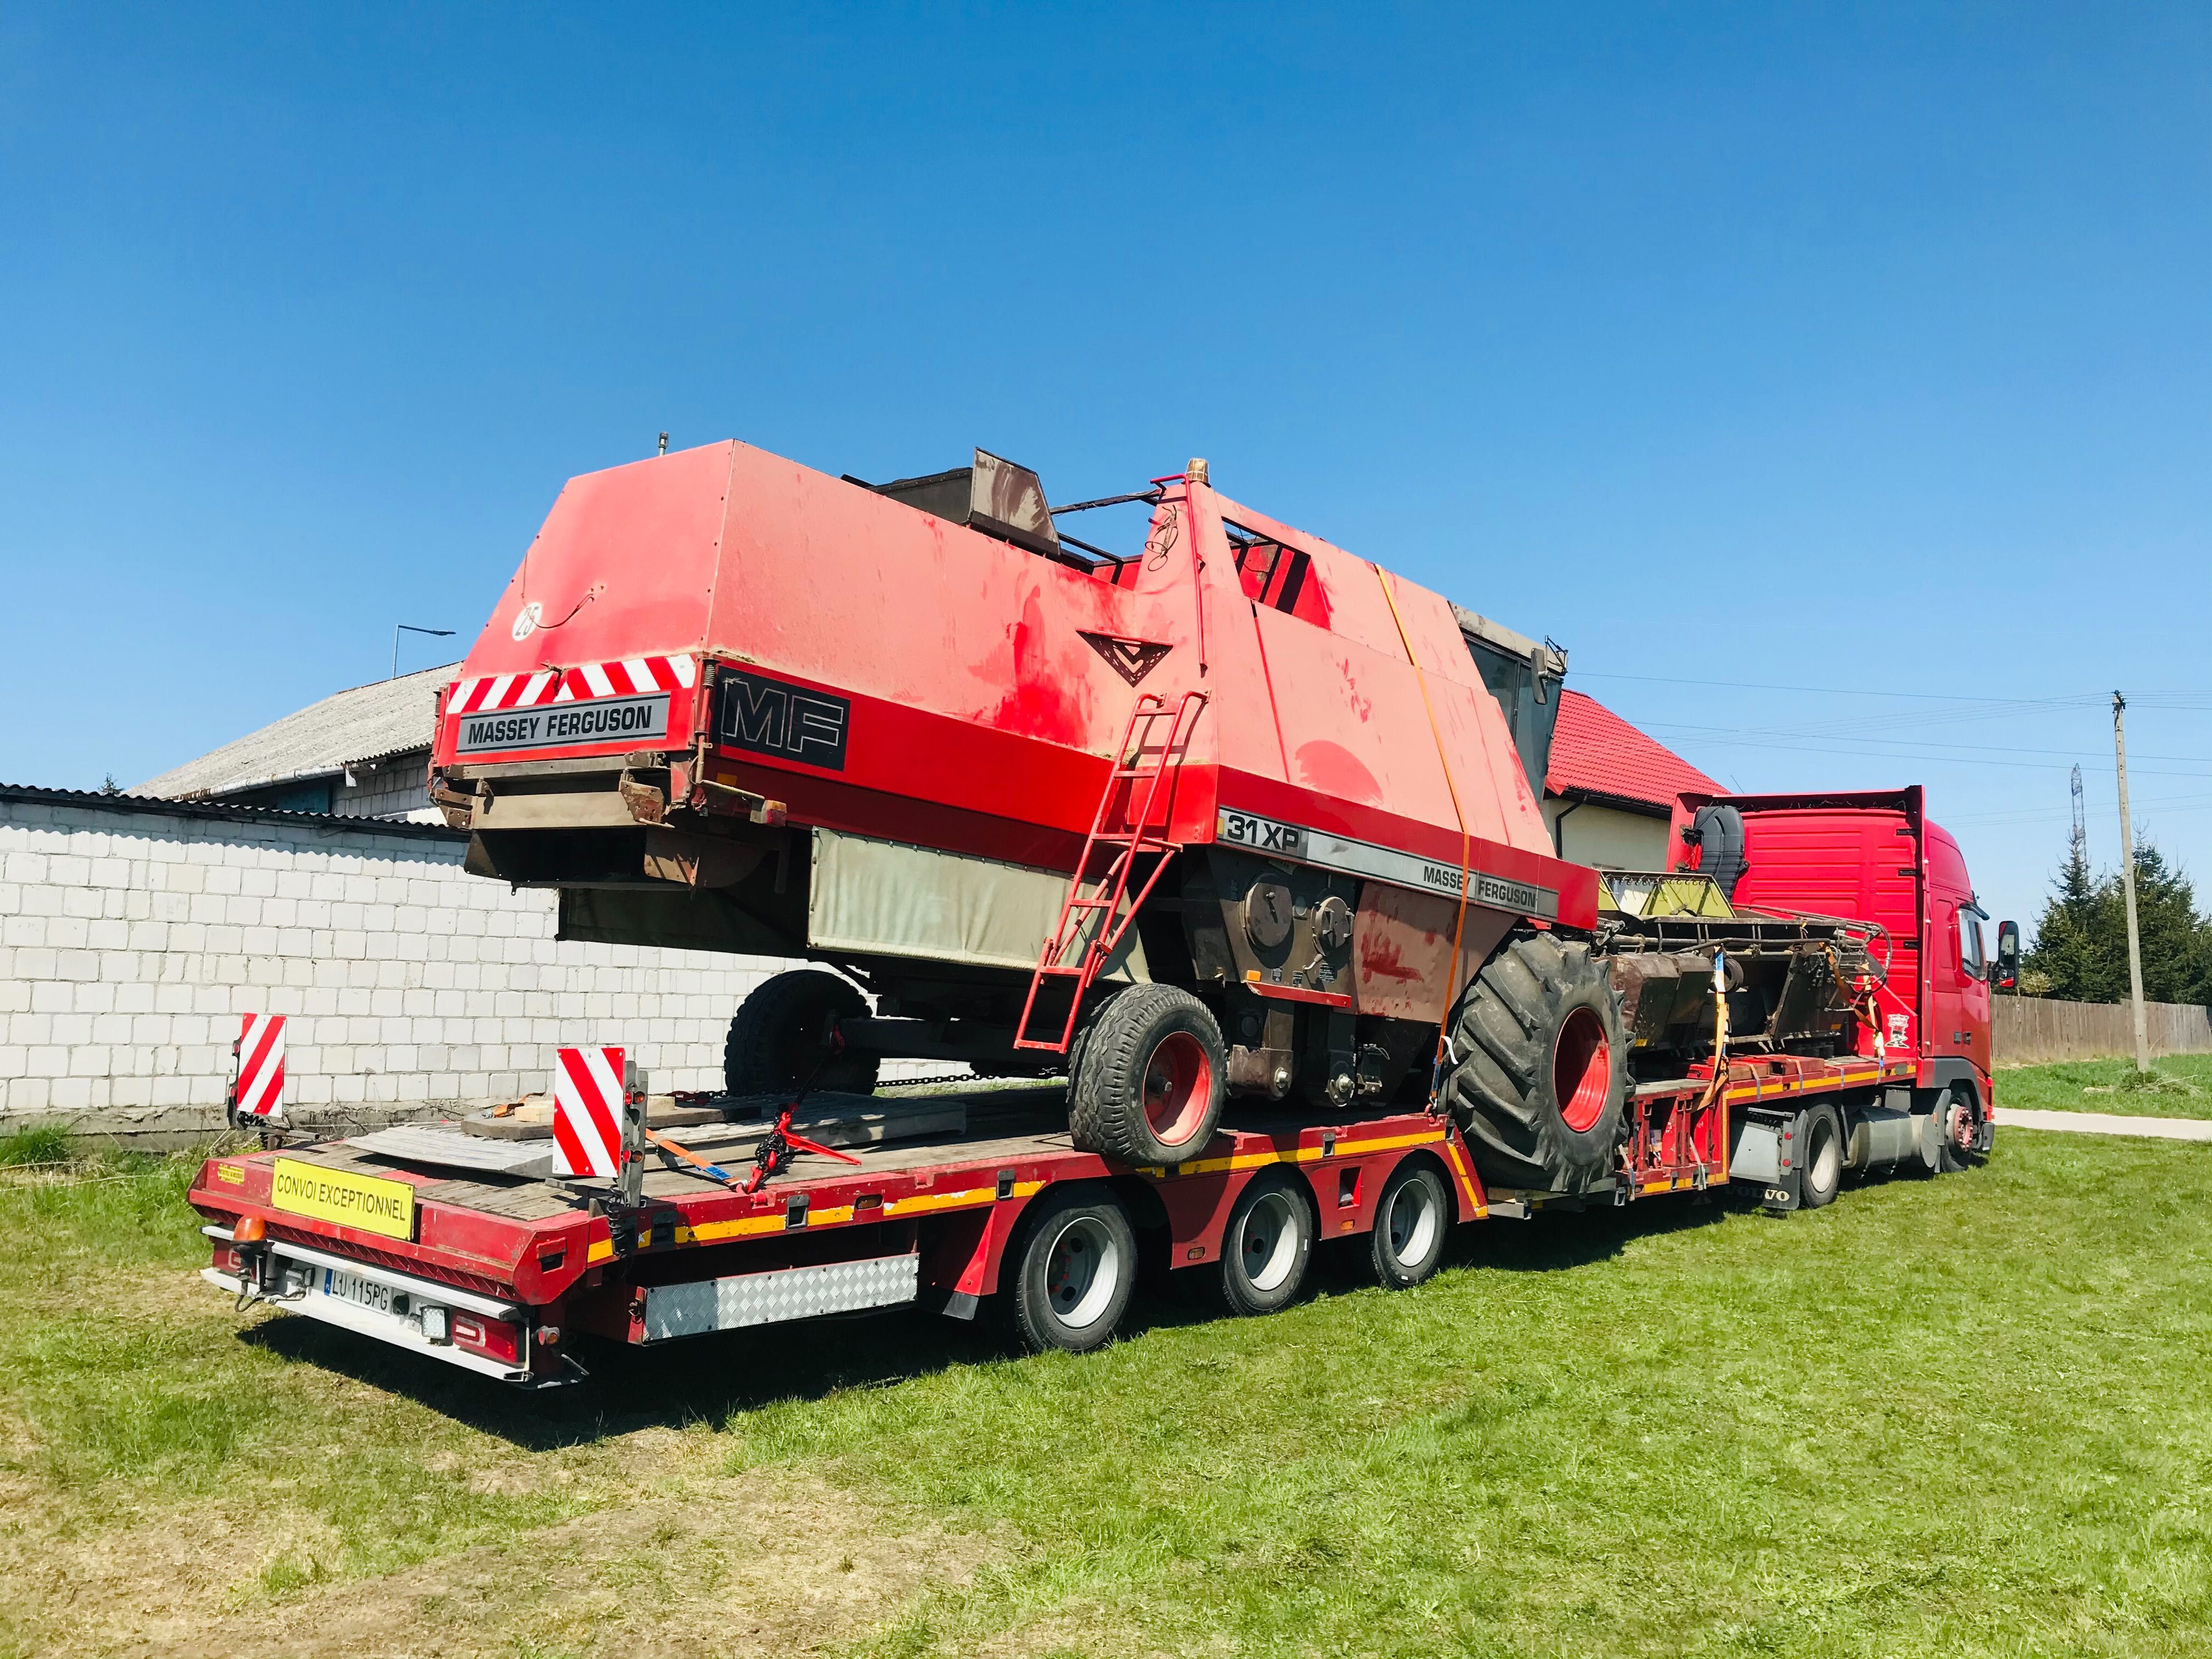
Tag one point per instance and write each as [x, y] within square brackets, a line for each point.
[1267, 1248]
[775, 1039]
[1071, 1271]
[1540, 1068]
[1148, 1077]
[1413, 1224]
[1820, 1156]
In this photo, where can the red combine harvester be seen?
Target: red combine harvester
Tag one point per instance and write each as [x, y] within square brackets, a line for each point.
[1230, 828]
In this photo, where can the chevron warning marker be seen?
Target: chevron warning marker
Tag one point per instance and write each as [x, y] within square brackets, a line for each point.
[259, 1091]
[587, 1102]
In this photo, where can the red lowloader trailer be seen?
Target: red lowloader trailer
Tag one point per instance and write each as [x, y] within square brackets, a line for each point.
[1228, 830]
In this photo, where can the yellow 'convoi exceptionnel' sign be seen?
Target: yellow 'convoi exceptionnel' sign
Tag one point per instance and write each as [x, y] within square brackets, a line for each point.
[366, 1202]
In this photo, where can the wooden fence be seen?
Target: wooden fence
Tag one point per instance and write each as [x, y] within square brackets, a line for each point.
[2028, 1030]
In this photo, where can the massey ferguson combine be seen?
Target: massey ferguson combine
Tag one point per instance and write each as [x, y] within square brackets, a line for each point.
[1228, 827]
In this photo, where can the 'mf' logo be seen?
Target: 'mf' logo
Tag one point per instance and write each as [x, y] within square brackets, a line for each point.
[789, 722]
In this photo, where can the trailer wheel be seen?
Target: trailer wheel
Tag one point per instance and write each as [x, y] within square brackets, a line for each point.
[1267, 1247]
[1148, 1077]
[1413, 1224]
[775, 1039]
[1072, 1271]
[1540, 1068]
[1821, 1172]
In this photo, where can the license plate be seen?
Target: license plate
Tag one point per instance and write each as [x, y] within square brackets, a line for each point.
[362, 1292]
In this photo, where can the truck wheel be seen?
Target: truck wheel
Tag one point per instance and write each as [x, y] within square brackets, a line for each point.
[1267, 1247]
[1148, 1077]
[1413, 1224]
[1540, 1068]
[1960, 1129]
[775, 1039]
[1821, 1165]
[1072, 1271]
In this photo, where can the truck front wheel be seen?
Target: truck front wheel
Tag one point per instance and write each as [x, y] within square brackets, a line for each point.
[1539, 1068]
[1148, 1077]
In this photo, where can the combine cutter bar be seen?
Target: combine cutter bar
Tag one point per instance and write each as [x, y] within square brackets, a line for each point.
[1112, 903]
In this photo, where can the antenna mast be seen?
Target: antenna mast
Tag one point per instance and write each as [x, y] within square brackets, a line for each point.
[2080, 826]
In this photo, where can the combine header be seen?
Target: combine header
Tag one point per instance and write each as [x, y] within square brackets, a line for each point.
[1229, 827]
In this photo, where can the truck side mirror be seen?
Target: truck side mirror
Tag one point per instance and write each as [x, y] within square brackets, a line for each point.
[2007, 976]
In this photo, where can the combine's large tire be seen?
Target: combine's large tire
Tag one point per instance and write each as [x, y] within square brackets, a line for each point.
[775, 1039]
[1540, 1068]
[1148, 1077]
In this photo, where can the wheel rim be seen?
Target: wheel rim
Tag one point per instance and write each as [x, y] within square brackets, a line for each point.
[1413, 1223]
[1581, 1069]
[1267, 1242]
[1959, 1127]
[1178, 1088]
[1827, 1160]
[1082, 1269]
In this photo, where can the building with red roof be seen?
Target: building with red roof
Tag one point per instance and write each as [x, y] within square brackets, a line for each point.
[1609, 789]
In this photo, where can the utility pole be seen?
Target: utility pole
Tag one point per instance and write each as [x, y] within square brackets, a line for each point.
[2128, 883]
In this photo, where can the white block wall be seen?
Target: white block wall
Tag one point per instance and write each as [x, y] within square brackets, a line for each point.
[130, 943]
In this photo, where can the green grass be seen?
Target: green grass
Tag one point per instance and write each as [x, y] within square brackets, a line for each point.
[2183, 1087]
[1967, 1416]
[43, 1145]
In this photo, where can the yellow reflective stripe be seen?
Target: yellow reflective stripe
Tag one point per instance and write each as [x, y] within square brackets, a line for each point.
[705, 1232]
[708, 1232]
[1297, 1155]
[1466, 1179]
[922, 1203]
[602, 1249]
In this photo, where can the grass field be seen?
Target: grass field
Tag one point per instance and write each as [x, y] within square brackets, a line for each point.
[2183, 1087]
[1969, 1416]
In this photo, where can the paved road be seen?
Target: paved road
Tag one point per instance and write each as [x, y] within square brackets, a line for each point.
[2104, 1123]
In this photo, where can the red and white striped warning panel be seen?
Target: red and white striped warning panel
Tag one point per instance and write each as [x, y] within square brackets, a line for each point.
[587, 1104]
[632, 676]
[259, 1090]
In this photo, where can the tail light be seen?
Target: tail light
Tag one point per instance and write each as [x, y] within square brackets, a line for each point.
[495, 1339]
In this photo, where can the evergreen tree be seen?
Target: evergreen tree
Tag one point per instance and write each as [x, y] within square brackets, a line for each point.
[2081, 942]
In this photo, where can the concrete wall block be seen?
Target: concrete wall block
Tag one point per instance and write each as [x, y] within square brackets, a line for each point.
[84, 903]
[18, 933]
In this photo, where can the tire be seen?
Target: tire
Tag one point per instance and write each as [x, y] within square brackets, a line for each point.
[1413, 1224]
[1820, 1157]
[1266, 1248]
[1959, 1132]
[1073, 1269]
[1540, 1068]
[1148, 1077]
[775, 1041]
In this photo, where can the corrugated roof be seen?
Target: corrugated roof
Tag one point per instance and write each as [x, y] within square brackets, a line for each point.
[1596, 752]
[136, 806]
[389, 718]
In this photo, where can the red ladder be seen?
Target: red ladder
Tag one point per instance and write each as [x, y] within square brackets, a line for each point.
[1112, 919]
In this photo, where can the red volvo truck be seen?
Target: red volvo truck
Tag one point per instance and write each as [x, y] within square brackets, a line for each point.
[1227, 829]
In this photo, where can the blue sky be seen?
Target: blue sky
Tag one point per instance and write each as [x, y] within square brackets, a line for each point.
[1861, 351]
